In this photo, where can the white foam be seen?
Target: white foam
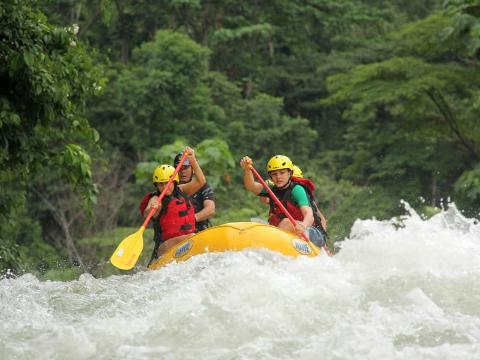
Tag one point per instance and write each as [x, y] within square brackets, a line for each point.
[399, 289]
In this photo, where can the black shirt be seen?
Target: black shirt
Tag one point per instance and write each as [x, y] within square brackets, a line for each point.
[197, 199]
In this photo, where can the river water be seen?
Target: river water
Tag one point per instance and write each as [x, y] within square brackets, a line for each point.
[406, 289]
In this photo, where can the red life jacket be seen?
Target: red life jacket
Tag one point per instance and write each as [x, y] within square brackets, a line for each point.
[176, 218]
[285, 196]
[307, 183]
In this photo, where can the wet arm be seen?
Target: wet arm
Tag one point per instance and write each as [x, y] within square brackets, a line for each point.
[197, 182]
[248, 180]
[307, 216]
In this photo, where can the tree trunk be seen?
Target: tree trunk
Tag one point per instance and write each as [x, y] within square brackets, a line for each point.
[64, 222]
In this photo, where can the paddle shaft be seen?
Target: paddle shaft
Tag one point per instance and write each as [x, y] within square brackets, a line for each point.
[162, 194]
[278, 202]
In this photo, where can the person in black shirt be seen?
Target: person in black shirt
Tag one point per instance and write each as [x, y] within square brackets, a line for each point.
[203, 200]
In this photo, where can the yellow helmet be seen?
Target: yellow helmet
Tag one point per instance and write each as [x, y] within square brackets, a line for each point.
[297, 171]
[279, 162]
[163, 173]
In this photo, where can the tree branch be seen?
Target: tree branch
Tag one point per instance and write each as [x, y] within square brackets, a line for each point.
[451, 121]
[64, 224]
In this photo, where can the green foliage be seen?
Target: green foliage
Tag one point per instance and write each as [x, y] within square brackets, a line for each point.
[49, 83]
[39, 257]
[398, 79]
[429, 211]
[376, 101]
[229, 35]
[369, 202]
[62, 274]
[429, 38]
[216, 159]
[400, 116]
[252, 210]
[213, 155]
[467, 187]
[76, 167]
[261, 129]
[47, 76]
[465, 26]
[9, 257]
[160, 96]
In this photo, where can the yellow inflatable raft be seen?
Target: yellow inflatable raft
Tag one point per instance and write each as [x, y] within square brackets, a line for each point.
[237, 236]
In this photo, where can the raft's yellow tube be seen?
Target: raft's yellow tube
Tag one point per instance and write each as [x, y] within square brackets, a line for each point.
[237, 236]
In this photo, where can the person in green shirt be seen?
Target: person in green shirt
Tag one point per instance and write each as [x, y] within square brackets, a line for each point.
[292, 194]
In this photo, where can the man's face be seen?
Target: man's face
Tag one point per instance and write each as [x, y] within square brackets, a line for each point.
[185, 173]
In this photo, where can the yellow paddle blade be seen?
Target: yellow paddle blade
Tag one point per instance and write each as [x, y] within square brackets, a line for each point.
[127, 253]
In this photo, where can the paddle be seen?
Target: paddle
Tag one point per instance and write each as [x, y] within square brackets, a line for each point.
[280, 205]
[126, 254]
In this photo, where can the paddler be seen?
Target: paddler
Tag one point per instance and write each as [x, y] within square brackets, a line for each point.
[174, 218]
[203, 200]
[295, 193]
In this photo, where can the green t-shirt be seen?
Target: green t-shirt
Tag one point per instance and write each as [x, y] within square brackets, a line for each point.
[299, 195]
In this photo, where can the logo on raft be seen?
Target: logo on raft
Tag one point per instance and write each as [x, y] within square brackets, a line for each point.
[301, 246]
[184, 249]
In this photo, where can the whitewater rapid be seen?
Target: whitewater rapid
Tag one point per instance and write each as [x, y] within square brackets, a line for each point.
[398, 289]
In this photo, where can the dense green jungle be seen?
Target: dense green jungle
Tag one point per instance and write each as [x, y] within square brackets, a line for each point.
[377, 101]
